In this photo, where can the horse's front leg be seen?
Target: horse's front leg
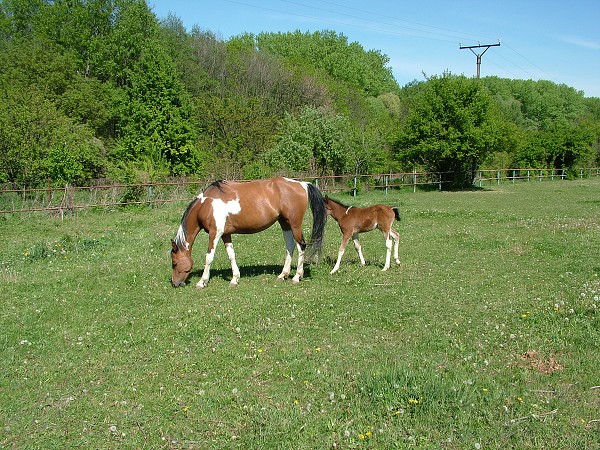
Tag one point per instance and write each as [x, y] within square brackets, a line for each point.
[231, 254]
[341, 250]
[213, 238]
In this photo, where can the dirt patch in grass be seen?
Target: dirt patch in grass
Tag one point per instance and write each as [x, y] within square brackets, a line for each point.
[531, 359]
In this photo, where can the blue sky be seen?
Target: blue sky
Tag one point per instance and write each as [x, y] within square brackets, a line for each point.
[551, 40]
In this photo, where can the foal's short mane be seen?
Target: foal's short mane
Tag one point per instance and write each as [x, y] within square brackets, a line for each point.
[338, 202]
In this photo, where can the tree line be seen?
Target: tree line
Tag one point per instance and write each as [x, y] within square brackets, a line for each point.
[105, 88]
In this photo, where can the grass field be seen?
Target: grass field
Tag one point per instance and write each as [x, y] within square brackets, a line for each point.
[487, 335]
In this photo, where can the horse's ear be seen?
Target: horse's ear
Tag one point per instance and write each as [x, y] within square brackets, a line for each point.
[174, 247]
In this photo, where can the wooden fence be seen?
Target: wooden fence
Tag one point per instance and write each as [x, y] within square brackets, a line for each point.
[68, 199]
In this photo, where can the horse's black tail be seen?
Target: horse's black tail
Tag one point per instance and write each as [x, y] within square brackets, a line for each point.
[396, 212]
[317, 206]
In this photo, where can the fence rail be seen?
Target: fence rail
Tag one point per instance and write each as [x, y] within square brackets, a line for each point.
[68, 199]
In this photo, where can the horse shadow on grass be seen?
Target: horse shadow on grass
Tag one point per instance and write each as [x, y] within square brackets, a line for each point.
[246, 272]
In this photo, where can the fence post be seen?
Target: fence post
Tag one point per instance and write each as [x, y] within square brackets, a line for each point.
[385, 180]
[150, 195]
[354, 190]
[70, 201]
[528, 175]
[414, 180]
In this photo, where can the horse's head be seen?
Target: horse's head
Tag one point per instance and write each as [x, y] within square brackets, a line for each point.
[182, 263]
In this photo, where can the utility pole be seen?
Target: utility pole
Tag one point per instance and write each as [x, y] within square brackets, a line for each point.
[479, 55]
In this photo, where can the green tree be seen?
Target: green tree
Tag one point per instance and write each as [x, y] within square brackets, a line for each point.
[449, 129]
[313, 141]
[155, 119]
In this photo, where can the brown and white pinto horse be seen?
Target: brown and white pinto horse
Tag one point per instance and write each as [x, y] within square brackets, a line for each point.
[229, 207]
[353, 220]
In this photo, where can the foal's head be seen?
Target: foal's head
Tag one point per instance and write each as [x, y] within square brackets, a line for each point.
[182, 262]
[334, 208]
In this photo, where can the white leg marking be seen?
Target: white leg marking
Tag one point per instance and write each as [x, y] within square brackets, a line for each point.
[396, 237]
[234, 267]
[358, 248]
[388, 252]
[300, 267]
[210, 256]
[341, 251]
[289, 252]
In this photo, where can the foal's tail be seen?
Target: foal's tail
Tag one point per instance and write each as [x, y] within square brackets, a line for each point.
[317, 206]
[396, 212]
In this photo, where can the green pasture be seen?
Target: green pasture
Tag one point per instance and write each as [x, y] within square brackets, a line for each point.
[486, 336]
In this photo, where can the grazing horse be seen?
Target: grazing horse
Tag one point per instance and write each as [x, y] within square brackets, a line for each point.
[353, 220]
[229, 207]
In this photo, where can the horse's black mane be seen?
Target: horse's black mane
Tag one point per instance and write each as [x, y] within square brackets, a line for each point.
[218, 184]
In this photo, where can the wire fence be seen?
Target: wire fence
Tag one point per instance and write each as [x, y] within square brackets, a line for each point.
[107, 195]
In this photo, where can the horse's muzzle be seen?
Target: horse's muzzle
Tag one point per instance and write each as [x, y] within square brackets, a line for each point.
[178, 284]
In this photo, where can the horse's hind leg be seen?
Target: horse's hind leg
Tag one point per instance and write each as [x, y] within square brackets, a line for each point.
[290, 245]
[358, 248]
[388, 250]
[396, 238]
[231, 254]
[300, 267]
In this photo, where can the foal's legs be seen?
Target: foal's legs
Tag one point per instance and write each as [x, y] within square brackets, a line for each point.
[391, 236]
[345, 238]
[396, 238]
[213, 238]
[358, 248]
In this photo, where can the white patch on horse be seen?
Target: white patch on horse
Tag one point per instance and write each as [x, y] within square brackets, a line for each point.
[221, 211]
[303, 183]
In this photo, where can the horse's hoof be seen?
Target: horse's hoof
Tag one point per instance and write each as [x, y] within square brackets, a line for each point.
[233, 283]
[279, 279]
[200, 285]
